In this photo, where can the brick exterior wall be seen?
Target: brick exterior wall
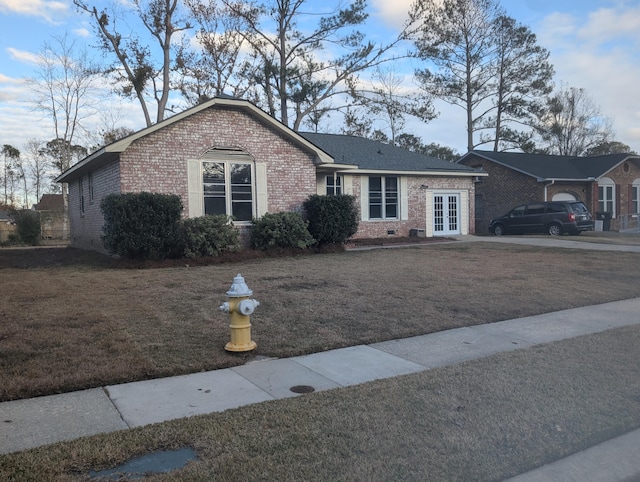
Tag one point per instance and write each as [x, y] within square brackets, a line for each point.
[158, 163]
[623, 176]
[86, 228]
[417, 217]
[501, 191]
[505, 188]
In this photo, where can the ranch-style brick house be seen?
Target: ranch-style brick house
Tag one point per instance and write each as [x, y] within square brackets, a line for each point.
[605, 184]
[228, 156]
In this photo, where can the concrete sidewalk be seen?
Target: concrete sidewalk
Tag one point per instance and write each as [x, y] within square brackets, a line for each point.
[39, 421]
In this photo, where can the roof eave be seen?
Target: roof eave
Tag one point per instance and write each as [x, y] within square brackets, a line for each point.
[121, 145]
[417, 173]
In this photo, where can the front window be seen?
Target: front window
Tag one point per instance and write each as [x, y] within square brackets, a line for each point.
[334, 185]
[81, 195]
[383, 197]
[606, 195]
[228, 189]
[635, 197]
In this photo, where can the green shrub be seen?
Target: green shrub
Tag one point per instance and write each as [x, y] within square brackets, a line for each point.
[142, 225]
[27, 226]
[280, 230]
[209, 236]
[332, 219]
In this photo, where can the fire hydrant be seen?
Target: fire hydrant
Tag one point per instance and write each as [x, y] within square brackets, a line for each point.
[240, 307]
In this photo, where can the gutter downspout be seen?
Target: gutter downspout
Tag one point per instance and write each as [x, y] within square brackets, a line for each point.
[546, 194]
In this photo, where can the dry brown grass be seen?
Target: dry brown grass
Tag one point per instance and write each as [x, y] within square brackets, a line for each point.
[72, 325]
[483, 420]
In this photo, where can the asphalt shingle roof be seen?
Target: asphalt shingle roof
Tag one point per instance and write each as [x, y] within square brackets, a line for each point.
[555, 167]
[374, 155]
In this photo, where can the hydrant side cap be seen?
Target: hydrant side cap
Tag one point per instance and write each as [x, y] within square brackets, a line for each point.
[239, 288]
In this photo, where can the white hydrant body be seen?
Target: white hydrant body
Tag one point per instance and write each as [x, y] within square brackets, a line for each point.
[240, 307]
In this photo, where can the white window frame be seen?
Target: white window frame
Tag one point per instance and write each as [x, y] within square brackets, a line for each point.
[228, 187]
[384, 198]
[635, 196]
[81, 195]
[607, 196]
[333, 185]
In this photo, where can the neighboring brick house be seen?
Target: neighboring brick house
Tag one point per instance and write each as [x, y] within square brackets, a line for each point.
[608, 183]
[228, 156]
[52, 216]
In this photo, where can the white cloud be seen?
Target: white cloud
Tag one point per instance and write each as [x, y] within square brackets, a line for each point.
[82, 32]
[394, 13]
[23, 56]
[599, 53]
[47, 10]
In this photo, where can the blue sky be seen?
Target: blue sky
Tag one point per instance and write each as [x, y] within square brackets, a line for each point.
[593, 44]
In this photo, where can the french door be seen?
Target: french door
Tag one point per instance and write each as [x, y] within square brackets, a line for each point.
[446, 214]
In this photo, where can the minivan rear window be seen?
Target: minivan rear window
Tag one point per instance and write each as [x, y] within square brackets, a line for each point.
[579, 208]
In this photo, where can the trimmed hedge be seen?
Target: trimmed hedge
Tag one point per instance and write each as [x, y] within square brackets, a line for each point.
[209, 236]
[142, 225]
[280, 230]
[332, 219]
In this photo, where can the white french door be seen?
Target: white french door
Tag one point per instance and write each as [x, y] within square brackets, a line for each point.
[446, 214]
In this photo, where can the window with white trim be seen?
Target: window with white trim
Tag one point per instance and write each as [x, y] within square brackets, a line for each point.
[334, 185]
[635, 197]
[606, 195]
[90, 182]
[383, 197]
[228, 189]
[81, 195]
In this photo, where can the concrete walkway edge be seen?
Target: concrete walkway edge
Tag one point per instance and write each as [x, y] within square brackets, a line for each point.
[39, 421]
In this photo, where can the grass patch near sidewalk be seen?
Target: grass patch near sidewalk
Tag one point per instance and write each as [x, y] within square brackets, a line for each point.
[73, 321]
[487, 419]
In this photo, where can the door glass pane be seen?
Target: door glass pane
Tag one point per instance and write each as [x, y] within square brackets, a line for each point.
[438, 214]
[453, 213]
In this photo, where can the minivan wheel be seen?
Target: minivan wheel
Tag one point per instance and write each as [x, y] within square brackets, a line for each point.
[498, 230]
[555, 229]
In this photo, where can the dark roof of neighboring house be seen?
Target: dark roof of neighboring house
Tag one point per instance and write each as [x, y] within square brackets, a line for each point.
[5, 216]
[368, 154]
[50, 202]
[550, 167]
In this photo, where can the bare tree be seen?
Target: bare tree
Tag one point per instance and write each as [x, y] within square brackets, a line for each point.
[136, 72]
[36, 167]
[286, 61]
[65, 91]
[217, 66]
[389, 102]
[572, 123]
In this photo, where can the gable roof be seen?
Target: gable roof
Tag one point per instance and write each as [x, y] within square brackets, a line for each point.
[50, 202]
[111, 152]
[369, 155]
[548, 167]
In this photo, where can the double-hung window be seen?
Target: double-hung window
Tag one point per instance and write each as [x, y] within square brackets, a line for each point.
[383, 197]
[81, 195]
[606, 195]
[228, 189]
[334, 185]
[635, 197]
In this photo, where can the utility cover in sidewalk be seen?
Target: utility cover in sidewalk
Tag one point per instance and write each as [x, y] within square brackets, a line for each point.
[156, 462]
